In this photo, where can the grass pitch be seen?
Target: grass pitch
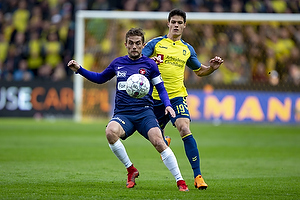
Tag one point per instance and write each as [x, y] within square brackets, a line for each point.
[68, 160]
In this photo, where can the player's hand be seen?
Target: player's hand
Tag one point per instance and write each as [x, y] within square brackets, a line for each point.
[170, 110]
[73, 65]
[216, 62]
[157, 59]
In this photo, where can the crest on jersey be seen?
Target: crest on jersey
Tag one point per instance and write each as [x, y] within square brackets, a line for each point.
[184, 52]
[142, 71]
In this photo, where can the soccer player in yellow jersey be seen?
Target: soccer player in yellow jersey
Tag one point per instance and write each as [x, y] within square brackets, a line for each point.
[173, 54]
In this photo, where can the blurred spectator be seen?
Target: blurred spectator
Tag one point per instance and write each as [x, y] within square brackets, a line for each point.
[23, 73]
[165, 6]
[36, 20]
[254, 6]
[11, 63]
[42, 33]
[218, 8]
[100, 5]
[208, 40]
[243, 69]
[221, 47]
[81, 5]
[45, 72]
[59, 73]
[19, 41]
[294, 6]
[53, 50]
[3, 48]
[270, 60]
[236, 6]
[34, 52]
[278, 6]
[130, 5]
[294, 74]
[237, 45]
[21, 16]
[259, 73]
[150, 29]
[228, 74]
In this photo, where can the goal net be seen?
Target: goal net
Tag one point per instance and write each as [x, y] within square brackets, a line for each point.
[252, 45]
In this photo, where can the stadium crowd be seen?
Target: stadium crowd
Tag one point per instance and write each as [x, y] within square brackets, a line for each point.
[37, 38]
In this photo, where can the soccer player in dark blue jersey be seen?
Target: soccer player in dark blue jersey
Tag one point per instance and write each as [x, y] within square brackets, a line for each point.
[131, 114]
[173, 54]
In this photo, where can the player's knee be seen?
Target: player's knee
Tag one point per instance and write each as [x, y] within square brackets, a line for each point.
[160, 145]
[157, 140]
[111, 134]
[184, 130]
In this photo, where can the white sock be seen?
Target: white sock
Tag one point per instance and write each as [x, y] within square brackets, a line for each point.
[119, 150]
[170, 161]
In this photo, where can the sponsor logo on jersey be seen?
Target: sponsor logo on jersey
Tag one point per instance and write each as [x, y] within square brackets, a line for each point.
[184, 52]
[163, 47]
[175, 61]
[121, 73]
[142, 71]
[120, 67]
[122, 85]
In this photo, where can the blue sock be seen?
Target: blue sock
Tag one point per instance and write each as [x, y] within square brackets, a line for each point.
[192, 153]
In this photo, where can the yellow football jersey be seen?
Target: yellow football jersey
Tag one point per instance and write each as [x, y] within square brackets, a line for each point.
[175, 56]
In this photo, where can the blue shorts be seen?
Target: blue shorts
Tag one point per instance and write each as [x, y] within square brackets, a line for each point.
[141, 121]
[180, 107]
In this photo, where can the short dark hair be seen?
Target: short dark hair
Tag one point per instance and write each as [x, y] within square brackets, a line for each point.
[135, 32]
[178, 12]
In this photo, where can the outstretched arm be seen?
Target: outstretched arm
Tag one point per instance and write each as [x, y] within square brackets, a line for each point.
[214, 65]
[91, 76]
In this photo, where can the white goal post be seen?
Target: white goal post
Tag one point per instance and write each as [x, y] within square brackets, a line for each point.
[81, 15]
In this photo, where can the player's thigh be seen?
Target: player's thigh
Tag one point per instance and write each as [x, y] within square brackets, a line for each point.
[125, 123]
[180, 107]
[147, 122]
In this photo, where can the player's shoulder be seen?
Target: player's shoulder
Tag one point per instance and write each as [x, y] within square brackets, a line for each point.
[156, 40]
[190, 47]
[186, 43]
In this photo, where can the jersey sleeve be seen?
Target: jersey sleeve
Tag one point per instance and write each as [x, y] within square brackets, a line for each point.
[193, 62]
[96, 77]
[148, 50]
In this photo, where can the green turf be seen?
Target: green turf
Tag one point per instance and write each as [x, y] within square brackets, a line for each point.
[67, 160]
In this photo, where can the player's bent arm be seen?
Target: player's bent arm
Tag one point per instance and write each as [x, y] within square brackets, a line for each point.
[204, 70]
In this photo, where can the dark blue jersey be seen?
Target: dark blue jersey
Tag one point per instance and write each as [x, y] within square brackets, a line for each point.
[123, 68]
